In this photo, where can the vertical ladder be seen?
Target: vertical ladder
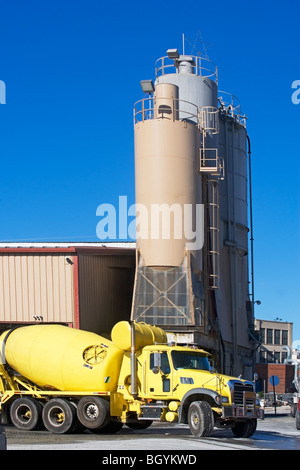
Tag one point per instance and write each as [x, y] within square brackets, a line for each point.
[212, 167]
[208, 123]
[213, 233]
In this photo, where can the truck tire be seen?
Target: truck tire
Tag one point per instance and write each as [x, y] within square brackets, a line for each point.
[200, 419]
[93, 412]
[59, 416]
[139, 424]
[26, 414]
[245, 428]
[111, 428]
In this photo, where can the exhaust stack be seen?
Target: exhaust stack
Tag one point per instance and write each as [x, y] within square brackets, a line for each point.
[133, 362]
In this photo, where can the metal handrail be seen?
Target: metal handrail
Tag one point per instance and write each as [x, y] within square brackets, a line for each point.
[146, 108]
[209, 119]
[232, 106]
[201, 67]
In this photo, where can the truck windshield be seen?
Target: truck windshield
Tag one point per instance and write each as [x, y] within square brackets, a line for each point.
[190, 360]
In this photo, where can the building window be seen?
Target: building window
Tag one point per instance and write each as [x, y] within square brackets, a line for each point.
[283, 356]
[277, 357]
[276, 336]
[285, 337]
[269, 336]
[262, 357]
[263, 335]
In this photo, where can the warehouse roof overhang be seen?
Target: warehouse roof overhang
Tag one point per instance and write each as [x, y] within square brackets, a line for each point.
[71, 247]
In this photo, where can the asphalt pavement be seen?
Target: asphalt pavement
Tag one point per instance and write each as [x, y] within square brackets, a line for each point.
[277, 431]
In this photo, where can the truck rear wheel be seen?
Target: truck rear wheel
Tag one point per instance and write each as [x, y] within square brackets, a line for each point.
[59, 416]
[245, 428]
[93, 412]
[200, 419]
[26, 413]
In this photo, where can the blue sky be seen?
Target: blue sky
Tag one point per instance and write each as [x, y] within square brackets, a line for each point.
[72, 70]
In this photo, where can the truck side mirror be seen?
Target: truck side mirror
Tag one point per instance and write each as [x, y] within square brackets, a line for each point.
[157, 359]
[157, 362]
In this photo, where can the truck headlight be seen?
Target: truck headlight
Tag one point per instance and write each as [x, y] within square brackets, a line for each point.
[225, 399]
[221, 399]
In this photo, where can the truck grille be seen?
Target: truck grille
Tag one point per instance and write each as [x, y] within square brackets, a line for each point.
[238, 392]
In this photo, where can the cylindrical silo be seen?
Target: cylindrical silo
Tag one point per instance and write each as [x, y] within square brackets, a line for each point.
[165, 175]
[233, 294]
[170, 138]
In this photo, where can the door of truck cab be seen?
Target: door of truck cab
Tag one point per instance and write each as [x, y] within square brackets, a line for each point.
[157, 374]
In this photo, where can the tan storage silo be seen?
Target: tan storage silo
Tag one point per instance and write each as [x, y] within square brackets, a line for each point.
[166, 174]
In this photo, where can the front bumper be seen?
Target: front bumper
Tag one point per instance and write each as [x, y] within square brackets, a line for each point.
[240, 412]
[247, 409]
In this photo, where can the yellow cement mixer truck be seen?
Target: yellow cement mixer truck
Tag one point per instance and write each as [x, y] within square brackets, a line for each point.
[64, 380]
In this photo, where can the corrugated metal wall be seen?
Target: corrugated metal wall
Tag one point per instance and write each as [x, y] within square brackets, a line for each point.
[105, 290]
[39, 284]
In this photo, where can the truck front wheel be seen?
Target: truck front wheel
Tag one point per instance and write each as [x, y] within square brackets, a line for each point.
[93, 412]
[200, 419]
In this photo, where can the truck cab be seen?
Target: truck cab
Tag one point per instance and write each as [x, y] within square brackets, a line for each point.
[169, 370]
[178, 384]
